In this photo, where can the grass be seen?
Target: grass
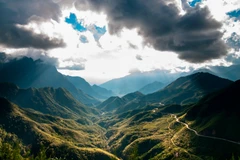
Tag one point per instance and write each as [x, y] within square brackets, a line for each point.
[148, 133]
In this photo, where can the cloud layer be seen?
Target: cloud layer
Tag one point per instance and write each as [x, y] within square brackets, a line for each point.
[17, 13]
[194, 36]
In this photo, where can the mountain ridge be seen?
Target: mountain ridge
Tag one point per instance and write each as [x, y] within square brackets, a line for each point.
[192, 87]
[152, 87]
[26, 73]
[46, 100]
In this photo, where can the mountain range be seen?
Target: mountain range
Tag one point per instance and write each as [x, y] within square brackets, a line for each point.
[135, 81]
[26, 73]
[47, 115]
[95, 91]
[188, 89]
[152, 87]
[56, 102]
[184, 90]
[114, 103]
[140, 80]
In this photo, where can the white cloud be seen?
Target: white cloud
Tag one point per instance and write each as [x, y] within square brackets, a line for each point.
[115, 58]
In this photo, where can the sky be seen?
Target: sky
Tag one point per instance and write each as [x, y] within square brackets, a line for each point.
[101, 40]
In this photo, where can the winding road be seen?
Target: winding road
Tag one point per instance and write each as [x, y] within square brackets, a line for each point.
[200, 135]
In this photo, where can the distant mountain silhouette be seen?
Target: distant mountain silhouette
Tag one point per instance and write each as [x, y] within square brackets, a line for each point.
[218, 113]
[26, 73]
[134, 82]
[94, 90]
[232, 72]
[229, 72]
[102, 91]
[114, 103]
[152, 87]
[184, 90]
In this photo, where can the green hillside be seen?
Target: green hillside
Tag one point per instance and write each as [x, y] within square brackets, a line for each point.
[50, 123]
[188, 89]
[116, 103]
[57, 102]
[61, 138]
[217, 113]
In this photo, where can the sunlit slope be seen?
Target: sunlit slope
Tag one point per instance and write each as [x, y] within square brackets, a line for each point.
[62, 138]
[115, 103]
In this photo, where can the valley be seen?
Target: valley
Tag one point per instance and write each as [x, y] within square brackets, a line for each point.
[119, 80]
[194, 117]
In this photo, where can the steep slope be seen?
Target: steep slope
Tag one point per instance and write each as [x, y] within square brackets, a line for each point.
[152, 87]
[26, 73]
[131, 96]
[136, 81]
[218, 113]
[84, 86]
[188, 89]
[58, 102]
[63, 139]
[102, 91]
[113, 103]
[153, 133]
[95, 91]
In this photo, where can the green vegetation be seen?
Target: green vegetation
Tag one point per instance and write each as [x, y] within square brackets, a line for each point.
[50, 124]
[56, 102]
[64, 138]
[117, 103]
[188, 89]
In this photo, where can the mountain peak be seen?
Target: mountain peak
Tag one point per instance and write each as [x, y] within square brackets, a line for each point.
[189, 89]
[152, 87]
[200, 80]
[131, 96]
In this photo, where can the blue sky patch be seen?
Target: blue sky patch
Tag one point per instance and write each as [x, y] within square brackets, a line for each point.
[194, 3]
[72, 19]
[235, 13]
[99, 32]
[77, 25]
[83, 39]
[234, 41]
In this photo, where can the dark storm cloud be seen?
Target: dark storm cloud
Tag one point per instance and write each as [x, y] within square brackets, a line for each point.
[15, 12]
[194, 36]
[14, 37]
